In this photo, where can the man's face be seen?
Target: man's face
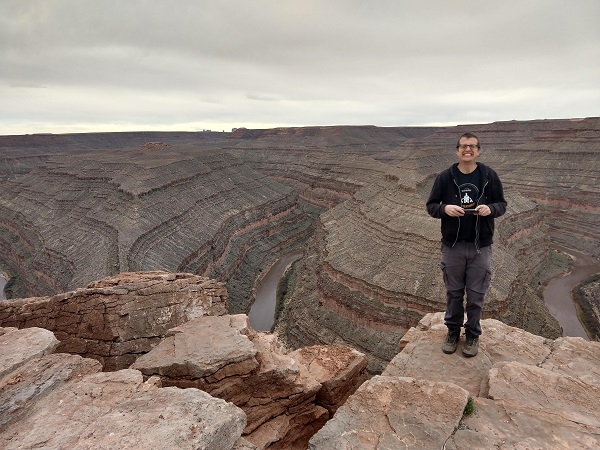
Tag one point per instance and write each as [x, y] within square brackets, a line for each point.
[467, 150]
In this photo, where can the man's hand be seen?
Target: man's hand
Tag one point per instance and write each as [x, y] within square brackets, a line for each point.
[483, 210]
[457, 211]
[454, 211]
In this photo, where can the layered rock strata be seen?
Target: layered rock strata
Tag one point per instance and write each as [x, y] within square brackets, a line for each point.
[228, 206]
[116, 319]
[370, 272]
[521, 390]
[80, 216]
[325, 165]
[285, 397]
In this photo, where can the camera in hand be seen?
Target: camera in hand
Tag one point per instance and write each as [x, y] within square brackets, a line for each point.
[470, 211]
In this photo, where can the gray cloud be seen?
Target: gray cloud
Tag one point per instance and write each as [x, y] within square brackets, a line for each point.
[78, 65]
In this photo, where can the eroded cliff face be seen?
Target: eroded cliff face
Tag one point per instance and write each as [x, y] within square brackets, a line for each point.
[83, 215]
[74, 208]
[370, 273]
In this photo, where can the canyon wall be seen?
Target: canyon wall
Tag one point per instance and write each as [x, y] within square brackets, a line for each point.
[369, 274]
[74, 208]
[80, 215]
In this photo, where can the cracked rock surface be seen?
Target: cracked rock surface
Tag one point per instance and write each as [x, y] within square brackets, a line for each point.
[527, 392]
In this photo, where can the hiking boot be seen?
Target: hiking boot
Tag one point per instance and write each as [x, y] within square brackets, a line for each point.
[471, 346]
[451, 341]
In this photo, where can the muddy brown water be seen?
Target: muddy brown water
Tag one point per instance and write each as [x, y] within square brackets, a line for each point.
[2, 284]
[557, 294]
[262, 312]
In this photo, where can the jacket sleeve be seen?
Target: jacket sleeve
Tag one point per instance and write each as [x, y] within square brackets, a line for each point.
[434, 205]
[497, 202]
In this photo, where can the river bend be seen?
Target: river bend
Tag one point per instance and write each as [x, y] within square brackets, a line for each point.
[558, 297]
[2, 284]
[262, 312]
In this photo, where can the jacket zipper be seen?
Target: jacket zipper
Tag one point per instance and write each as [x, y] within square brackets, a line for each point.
[457, 231]
[477, 219]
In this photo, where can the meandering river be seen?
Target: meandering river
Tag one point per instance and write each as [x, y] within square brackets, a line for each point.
[2, 284]
[262, 312]
[557, 294]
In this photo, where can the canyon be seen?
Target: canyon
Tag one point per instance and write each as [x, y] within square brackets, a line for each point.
[76, 208]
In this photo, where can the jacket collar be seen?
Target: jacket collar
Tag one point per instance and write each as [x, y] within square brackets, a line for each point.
[482, 167]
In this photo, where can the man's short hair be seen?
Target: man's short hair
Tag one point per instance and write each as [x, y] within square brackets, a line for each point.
[468, 136]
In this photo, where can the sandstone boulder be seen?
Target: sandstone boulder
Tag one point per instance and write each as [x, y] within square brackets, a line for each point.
[535, 408]
[225, 357]
[119, 410]
[22, 388]
[339, 369]
[421, 356]
[115, 319]
[576, 357]
[19, 346]
[395, 413]
[64, 401]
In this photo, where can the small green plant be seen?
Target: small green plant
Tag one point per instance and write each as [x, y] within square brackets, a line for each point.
[469, 408]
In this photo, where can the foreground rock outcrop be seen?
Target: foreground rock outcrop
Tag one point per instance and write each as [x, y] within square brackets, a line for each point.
[193, 362]
[64, 401]
[526, 392]
[286, 398]
[213, 382]
[116, 319]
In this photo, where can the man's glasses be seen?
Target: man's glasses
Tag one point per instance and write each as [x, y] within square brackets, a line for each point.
[466, 146]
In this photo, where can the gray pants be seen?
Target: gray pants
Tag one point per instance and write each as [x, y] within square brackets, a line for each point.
[465, 269]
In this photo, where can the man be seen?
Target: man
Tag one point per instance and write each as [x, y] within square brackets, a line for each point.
[467, 197]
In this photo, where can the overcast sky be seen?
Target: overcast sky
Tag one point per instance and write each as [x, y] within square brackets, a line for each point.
[119, 65]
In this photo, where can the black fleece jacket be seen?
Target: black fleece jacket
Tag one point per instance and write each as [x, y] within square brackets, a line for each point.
[445, 192]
